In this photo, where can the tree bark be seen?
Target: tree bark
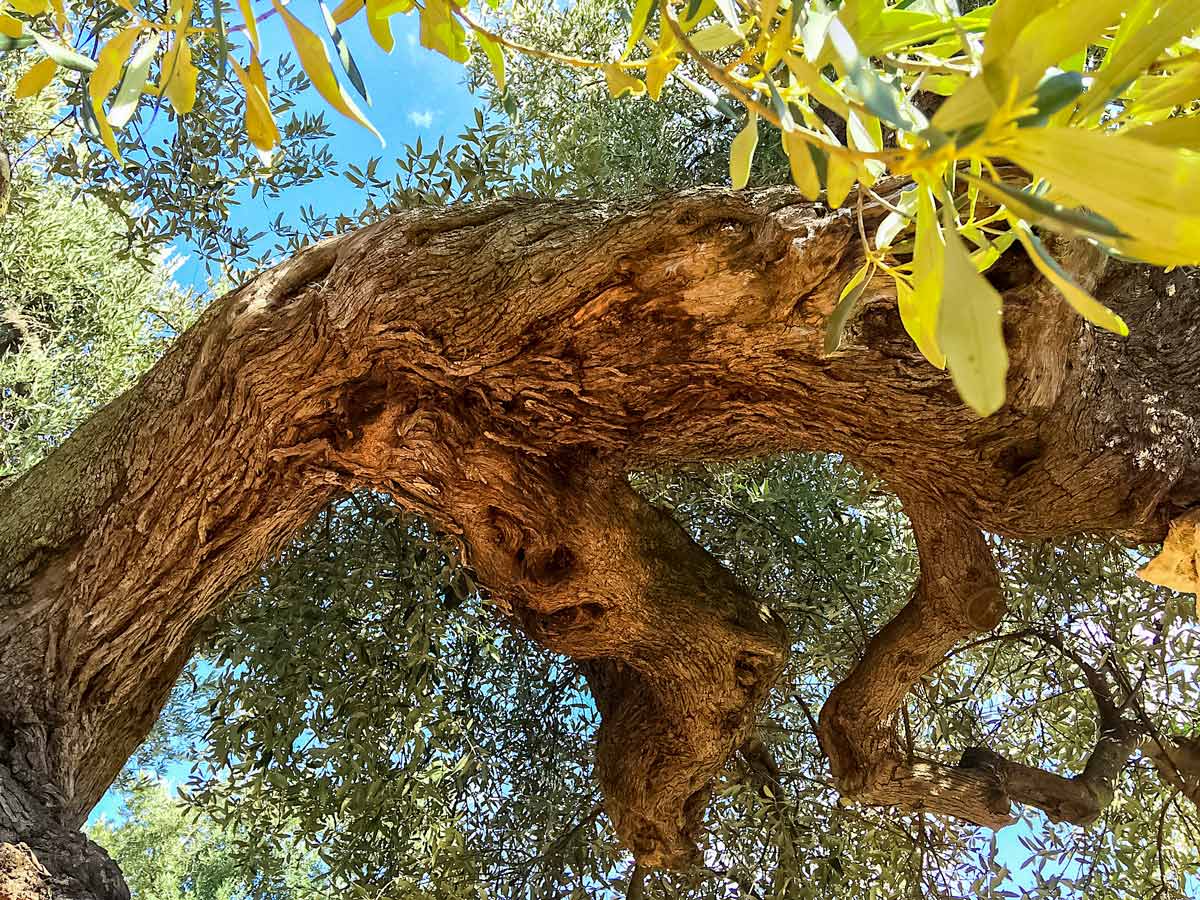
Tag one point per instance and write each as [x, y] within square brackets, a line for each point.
[498, 368]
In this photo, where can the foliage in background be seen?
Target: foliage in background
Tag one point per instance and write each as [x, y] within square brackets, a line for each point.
[166, 853]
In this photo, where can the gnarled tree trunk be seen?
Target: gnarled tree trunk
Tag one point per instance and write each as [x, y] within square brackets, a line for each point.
[499, 368]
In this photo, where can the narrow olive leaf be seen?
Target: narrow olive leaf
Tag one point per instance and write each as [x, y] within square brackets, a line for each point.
[1174, 20]
[11, 27]
[1180, 89]
[8, 44]
[840, 176]
[919, 309]
[247, 9]
[64, 56]
[1040, 211]
[260, 124]
[835, 326]
[349, 66]
[1056, 34]
[347, 10]
[641, 15]
[130, 92]
[441, 31]
[1083, 302]
[35, 80]
[1148, 192]
[621, 82]
[728, 9]
[222, 40]
[895, 222]
[181, 74]
[970, 327]
[314, 58]
[1054, 92]
[804, 170]
[495, 54]
[716, 37]
[379, 26]
[741, 153]
[1182, 133]
[108, 72]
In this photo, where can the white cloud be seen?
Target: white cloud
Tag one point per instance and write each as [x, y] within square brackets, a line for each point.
[421, 119]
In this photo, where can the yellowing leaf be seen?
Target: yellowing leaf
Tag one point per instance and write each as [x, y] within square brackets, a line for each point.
[260, 125]
[441, 31]
[1083, 302]
[641, 15]
[1149, 192]
[658, 68]
[133, 82]
[835, 326]
[1058, 33]
[1181, 88]
[314, 58]
[379, 26]
[387, 8]
[715, 37]
[1177, 566]
[621, 82]
[495, 55]
[247, 9]
[840, 175]
[1142, 46]
[10, 27]
[804, 170]
[919, 308]
[31, 7]
[970, 329]
[347, 10]
[108, 72]
[180, 77]
[741, 153]
[1183, 132]
[35, 80]
[781, 38]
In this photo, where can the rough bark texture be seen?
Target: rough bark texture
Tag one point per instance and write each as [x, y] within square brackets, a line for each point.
[499, 368]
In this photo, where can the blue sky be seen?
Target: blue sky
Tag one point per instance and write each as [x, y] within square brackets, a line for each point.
[415, 93]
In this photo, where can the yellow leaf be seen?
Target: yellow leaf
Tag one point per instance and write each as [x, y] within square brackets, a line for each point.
[60, 14]
[495, 55]
[388, 8]
[1181, 132]
[621, 82]
[31, 7]
[657, 69]
[919, 308]
[1179, 89]
[379, 26]
[1149, 192]
[1177, 566]
[840, 175]
[314, 58]
[972, 102]
[441, 31]
[1047, 40]
[804, 170]
[180, 77]
[10, 27]
[811, 78]
[108, 72]
[715, 37]
[741, 153]
[1083, 302]
[970, 329]
[35, 80]
[1141, 46]
[260, 125]
[781, 38]
[247, 9]
[641, 15]
[347, 10]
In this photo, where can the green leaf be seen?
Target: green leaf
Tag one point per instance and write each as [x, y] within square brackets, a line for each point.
[130, 91]
[64, 56]
[1037, 209]
[847, 301]
[349, 66]
[970, 327]
[741, 153]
